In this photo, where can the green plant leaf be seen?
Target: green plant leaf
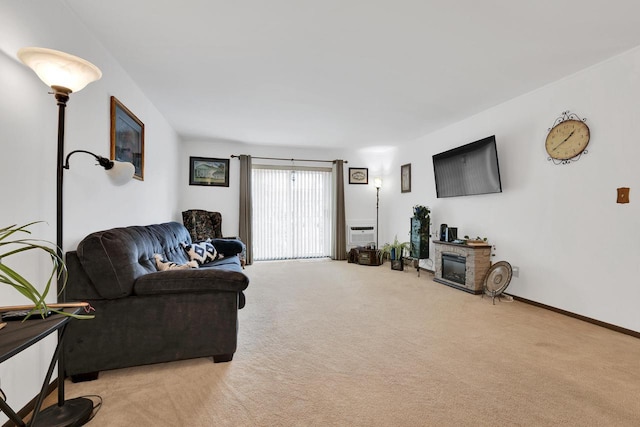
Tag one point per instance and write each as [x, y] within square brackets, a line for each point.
[11, 246]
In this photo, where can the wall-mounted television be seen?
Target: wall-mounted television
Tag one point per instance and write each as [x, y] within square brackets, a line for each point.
[468, 170]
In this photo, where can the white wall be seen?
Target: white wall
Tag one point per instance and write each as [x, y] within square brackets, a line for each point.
[28, 136]
[577, 249]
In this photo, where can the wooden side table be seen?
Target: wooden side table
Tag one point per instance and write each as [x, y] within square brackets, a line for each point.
[17, 336]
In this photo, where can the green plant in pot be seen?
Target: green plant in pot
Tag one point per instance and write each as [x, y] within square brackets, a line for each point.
[394, 250]
[421, 212]
[11, 244]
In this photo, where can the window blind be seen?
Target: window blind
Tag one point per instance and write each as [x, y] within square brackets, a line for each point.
[292, 212]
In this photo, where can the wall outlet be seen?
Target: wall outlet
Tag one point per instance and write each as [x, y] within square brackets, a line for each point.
[515, 271]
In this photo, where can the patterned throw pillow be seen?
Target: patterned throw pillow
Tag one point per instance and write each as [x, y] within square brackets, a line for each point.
[201, 252]
[162, 264]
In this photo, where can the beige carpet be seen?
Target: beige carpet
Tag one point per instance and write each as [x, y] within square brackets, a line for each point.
[325, 343]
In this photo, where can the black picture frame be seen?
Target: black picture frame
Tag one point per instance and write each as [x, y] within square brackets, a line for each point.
[358, 175]
[208, 171]
[405, 178]
[127, 137]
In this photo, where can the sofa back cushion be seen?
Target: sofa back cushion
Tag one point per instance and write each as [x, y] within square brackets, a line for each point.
[113, 259]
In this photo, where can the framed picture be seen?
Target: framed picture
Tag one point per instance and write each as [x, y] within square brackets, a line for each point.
[405, 178]
[207, 171]
[358, 175]
[127, 137]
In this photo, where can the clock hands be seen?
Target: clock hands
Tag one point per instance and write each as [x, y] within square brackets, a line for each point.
[565, 140]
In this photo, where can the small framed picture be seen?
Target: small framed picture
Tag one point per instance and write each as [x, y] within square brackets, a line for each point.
[209, 172]
[405, 178]
[358, 175]
[127, 137]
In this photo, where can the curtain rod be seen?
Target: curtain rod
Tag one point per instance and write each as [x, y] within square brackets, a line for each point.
[291, 160]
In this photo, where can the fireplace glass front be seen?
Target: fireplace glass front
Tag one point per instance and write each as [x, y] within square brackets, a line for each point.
[454, 268]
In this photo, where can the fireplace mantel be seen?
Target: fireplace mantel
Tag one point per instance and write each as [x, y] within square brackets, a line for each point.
[478, 261]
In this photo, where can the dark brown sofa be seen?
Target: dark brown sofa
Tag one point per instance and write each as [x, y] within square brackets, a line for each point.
[145, 316]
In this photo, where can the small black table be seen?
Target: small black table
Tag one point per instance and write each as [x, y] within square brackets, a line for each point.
[17, 336]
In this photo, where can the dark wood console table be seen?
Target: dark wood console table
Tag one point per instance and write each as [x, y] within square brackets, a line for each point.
[17, 336]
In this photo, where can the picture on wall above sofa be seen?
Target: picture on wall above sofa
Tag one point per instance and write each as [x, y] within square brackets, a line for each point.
[127, 137]
[208, 171]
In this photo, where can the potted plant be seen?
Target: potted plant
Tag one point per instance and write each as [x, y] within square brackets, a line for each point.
[11, 243]
[421, 212]
[479, 241]
[394, 251]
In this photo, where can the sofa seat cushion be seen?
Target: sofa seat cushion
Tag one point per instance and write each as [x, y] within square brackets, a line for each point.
[227, 263]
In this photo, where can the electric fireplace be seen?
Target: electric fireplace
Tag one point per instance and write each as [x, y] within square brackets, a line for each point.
[454, 268]
[462, 266]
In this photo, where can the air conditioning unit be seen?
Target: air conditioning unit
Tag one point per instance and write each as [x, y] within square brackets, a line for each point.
[361, 235]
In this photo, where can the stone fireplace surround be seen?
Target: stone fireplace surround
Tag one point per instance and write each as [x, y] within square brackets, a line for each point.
[478, 261]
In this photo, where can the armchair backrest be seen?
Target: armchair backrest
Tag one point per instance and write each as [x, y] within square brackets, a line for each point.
[202, 225]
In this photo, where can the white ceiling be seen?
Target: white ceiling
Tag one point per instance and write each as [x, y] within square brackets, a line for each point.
[348, 72]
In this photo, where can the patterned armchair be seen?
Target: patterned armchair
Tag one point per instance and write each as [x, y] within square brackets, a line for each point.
[202, 225]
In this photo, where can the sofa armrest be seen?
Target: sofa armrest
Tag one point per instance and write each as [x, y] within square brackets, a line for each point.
[190, 281]
[79, 287]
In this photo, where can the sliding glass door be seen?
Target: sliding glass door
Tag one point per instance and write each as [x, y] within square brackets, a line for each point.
[292, 212]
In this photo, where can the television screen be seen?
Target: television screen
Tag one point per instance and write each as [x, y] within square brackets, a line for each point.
[468, 170]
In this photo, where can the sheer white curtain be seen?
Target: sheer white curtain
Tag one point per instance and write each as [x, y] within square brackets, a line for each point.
[292, 212]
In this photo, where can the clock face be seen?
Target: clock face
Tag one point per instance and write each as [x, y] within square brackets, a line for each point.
[567, 139]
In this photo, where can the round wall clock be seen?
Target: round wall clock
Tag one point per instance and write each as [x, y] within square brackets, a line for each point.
[567, 139]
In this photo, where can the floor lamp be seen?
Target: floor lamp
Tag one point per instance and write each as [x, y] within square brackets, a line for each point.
[378, 184]
[65, 74]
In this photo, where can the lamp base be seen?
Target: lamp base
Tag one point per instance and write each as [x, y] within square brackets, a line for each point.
[74, 413]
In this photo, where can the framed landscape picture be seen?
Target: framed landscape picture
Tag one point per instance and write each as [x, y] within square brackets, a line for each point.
[208, 171]
[127, 137]
[358, 175]
[405, 178]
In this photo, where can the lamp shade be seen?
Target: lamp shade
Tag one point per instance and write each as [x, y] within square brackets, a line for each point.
[121, 172]
[377, 182]
[60, 69]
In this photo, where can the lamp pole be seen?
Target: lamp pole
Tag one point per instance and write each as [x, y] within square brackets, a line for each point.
[62, 96]
[378, 183]
[377, 214]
